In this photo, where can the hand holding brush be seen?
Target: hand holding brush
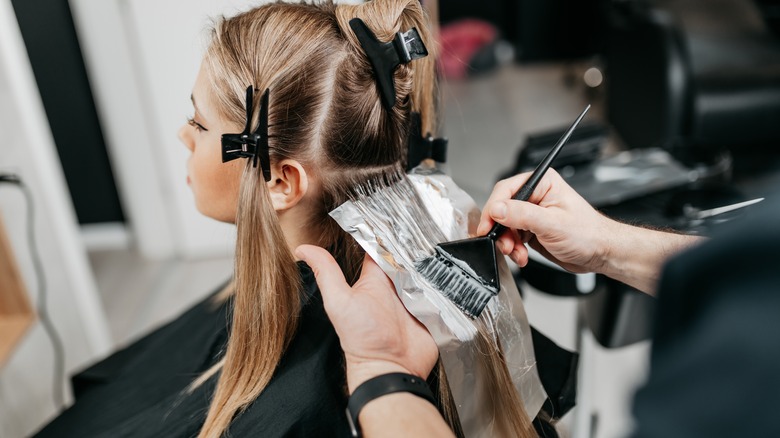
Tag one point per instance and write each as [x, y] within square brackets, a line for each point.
[564, 228]
[555, 221]
[466, 271]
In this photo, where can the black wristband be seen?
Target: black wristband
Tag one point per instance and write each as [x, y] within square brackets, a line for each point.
[383, 385]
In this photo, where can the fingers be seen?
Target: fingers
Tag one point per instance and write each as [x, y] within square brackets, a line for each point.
[519, 254]
[503, 192]
[327, 272]
[524, 216]
[512, 244]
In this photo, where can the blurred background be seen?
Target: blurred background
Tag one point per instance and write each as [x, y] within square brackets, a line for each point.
[685, 119]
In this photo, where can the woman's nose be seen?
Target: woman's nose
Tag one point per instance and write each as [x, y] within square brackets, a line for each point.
[184, 136]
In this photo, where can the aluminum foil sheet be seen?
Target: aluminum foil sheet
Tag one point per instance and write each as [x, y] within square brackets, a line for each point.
[399, 225]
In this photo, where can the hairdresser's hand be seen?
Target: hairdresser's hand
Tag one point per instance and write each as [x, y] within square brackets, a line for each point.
[377, 334]
[556, 221]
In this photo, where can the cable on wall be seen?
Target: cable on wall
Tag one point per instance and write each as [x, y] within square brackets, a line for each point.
[41, 307]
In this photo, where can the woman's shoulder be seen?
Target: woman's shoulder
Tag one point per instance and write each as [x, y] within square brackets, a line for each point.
[300, 401]
[307, 395]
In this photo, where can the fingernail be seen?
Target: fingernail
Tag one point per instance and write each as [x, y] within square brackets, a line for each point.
[498, 210]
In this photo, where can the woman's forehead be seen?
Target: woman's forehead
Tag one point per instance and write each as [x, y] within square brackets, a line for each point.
[201, 98]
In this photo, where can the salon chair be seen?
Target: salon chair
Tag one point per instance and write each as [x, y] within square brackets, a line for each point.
[695, 74]
[702, 81]
[699, 80]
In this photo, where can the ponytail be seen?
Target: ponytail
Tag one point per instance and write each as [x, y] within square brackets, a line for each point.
[416, 81]
[264, 323]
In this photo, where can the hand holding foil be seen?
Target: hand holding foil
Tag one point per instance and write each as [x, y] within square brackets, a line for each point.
[377, 334]
[486, 360]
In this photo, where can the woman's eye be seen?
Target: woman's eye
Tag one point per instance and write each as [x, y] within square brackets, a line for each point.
[198, 127]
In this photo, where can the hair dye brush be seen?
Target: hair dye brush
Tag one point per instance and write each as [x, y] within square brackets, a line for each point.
[466, 271]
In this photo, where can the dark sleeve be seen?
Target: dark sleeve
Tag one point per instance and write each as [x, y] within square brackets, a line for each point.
[111, 366]
[307, 396]
[199, 326]
[142, 389]
[716, 354]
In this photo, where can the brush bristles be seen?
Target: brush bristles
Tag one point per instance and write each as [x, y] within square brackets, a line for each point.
[470, 294]
[400, 220]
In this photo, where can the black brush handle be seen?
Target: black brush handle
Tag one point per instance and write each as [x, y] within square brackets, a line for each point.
[528, 188]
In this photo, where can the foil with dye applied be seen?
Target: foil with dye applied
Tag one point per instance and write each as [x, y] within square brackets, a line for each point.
[400, 224]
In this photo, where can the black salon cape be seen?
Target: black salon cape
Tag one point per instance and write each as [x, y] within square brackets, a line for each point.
[140, 391]
[715, 362]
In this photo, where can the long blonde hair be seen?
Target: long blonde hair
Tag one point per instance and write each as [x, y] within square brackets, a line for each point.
[325, 111]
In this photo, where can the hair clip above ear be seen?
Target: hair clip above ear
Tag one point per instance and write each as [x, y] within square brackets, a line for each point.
[252, 145]
[386, 57]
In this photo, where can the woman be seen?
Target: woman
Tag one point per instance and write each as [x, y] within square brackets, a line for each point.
[261, 358]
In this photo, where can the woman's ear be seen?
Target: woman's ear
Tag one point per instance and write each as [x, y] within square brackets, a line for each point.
[289, 183]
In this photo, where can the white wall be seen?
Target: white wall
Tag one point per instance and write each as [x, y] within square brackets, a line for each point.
[142, 57]
[27, 148]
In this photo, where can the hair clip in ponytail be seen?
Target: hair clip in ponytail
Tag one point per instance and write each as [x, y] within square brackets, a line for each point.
[252, 145]
[386, 57]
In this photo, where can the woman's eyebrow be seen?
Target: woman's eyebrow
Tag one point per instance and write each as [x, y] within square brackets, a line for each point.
[195, 105]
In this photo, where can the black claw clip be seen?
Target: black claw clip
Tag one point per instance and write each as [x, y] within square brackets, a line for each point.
[386, 57]
[424, 147]
[252, 145]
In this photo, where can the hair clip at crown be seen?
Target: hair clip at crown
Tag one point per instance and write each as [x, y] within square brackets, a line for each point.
[247, 144]
[386, 57]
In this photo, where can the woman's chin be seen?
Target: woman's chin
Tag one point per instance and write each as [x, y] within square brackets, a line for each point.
[219, 216]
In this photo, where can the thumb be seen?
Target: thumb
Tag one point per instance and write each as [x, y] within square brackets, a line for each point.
[373, 273]
[370, 268]
[522, 215]
[327, 272]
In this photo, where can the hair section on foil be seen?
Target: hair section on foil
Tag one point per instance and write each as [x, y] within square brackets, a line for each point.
[405, 229]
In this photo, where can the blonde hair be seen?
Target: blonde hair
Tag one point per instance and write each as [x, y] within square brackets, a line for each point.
[324, 111]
